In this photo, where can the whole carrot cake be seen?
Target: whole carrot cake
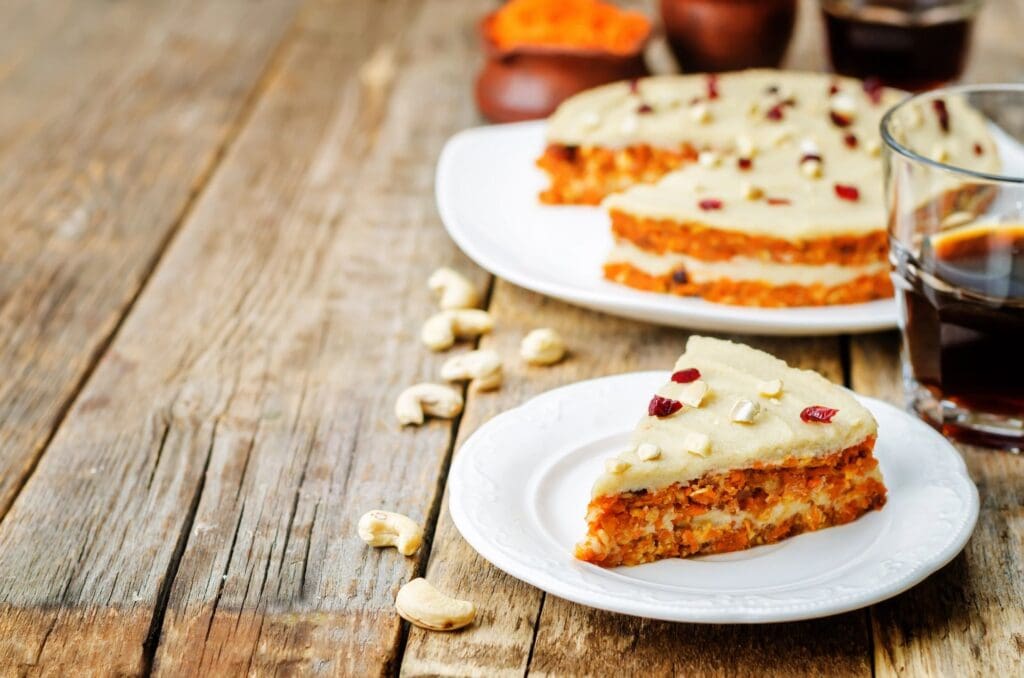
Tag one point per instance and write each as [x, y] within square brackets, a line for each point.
[737, 450]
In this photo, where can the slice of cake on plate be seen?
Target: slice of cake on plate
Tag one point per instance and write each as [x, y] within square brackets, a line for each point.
[737, 450]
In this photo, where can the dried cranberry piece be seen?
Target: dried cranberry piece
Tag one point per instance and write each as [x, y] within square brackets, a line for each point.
[873, 88]
[644, 108]
[679, 277]
[978, 150]
[839, 120]
[847, 192]
[850, 139]
[634, 86]
[712, 87]
[710, 204]
[663, 407]
[686, 376]
[809, 156]
[774, 113]
[818, 413]
[939, 106]
[778, 201]
[833, 88]
[745, 163]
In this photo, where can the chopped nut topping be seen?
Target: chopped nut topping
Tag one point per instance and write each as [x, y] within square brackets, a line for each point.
[693, 393]
[648, 451]
[874, 147]
[700, 113]
[780, 137]
[697, 443]
[744, 411]
[616, 466]
[940, 153]
[751, 192]
[771, 388]
[745, 146]
[590, 120]
[811, 167]
[709, 159]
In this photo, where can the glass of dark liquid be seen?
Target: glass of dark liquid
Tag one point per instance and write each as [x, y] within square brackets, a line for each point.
[909, 44]
[957, 248]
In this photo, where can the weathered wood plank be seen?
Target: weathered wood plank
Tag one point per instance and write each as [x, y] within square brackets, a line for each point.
[111, 116]
[967, 619]
[242, 420]
[570, 639]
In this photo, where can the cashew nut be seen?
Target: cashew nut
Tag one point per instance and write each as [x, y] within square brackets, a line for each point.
[455, 289]
[441, 330]
[423, 605]
[384, 528]
[542, 347]
[482, 366]
[433, 399]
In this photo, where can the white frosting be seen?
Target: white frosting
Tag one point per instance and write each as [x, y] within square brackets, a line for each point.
[740, 268]
[734, 371]
[736, 124]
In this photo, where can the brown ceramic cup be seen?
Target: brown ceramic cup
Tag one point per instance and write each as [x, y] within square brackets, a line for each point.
[727, 35]
[529, 82]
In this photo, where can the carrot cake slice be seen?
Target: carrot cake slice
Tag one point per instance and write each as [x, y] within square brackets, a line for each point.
[737, 450]
[612, 137]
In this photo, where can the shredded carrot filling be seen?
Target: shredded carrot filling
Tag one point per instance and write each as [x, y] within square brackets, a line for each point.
[568, 23]
[752, 292]
[637, 527]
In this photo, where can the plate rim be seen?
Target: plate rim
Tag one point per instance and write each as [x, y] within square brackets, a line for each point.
[717, 317]
[742, 615]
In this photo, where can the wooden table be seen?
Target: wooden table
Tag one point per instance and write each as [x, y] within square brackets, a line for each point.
[216, 223]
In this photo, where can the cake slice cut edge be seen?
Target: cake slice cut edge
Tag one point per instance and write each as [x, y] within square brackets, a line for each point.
[757, 452]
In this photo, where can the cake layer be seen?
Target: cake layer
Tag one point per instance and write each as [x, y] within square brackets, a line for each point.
[700, 241]
[739, 268]
[733, 510]
[732, 372]
[753, 292]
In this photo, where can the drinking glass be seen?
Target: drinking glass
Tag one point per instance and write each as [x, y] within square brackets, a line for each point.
[957, 250]
[909, 44]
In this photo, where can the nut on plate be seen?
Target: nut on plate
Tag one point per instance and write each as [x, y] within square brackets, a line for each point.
[435, 400]
[423, 605]
[455, 289]
[482, 366]
[442, 329]
[384, 528]
[542, 346]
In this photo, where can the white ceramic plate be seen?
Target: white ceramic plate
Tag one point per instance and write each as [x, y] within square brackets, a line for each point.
[487, 188]
[519, 488]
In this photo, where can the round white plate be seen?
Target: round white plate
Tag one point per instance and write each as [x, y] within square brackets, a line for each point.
[519, 489]
[487, 186]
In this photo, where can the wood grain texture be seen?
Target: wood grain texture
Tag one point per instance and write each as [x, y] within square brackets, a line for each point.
[111, 116]
[570, 639]
[967, 619]
[319, 234]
